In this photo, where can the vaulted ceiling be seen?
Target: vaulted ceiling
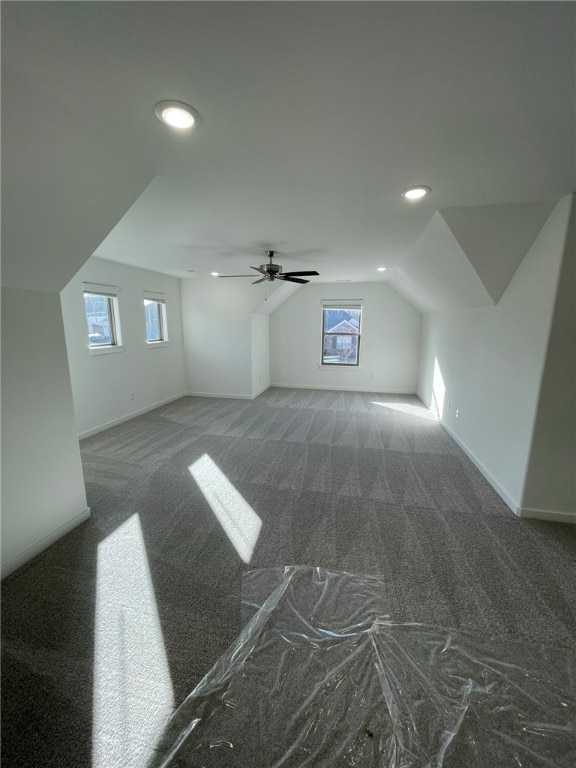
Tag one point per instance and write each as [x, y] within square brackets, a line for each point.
[315, 117]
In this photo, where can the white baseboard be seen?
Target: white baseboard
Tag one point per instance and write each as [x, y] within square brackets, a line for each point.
[375, 390]
[44, 543]
[219, 394]
[260, 391]
[514, 505]
[132, 415]
[547, 514]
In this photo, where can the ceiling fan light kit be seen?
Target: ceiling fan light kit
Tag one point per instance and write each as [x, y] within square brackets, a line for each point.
[273, 272]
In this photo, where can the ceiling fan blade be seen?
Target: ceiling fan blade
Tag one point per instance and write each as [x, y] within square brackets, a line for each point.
[258, 270]
[298, 274]
[291, 279]
[261, 280]
[219, 276]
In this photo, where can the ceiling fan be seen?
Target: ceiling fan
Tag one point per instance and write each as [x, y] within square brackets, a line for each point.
[273, 271]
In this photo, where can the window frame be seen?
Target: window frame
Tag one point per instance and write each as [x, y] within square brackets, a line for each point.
[160, 300]
[110, 293]
[346, 305]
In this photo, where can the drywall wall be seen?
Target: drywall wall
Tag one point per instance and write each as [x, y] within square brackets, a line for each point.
[218, 344]
[435, 273]
[260, 353]
[389, 346]
[42, 483]
[63, 188]
[484, 366]
[112, 387]
[550, 487]
[495, 238]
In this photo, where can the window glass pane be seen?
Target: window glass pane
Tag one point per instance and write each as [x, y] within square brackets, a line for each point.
[152, 312]
[99, 319]
[340, 350]
[341, 335]
[342, 320]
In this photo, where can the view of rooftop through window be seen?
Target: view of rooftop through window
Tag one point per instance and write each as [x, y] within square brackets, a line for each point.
[341, 335]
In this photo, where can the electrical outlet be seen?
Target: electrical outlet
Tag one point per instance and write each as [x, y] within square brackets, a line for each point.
[132, 396]
[457, 413]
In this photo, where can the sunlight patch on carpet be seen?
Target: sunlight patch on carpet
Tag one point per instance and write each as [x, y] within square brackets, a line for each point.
[133, 695]
[410, 410]
[239, 521]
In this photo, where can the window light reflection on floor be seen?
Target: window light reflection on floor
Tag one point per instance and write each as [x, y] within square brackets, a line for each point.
[239, 521]
[133, 695]
[411, 410]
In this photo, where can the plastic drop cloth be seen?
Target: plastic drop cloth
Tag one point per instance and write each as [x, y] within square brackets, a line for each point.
[321, 676]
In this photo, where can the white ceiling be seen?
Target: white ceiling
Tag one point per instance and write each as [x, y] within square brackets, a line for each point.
[315, 116]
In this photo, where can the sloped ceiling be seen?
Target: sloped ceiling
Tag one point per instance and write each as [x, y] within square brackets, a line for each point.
[436, 274]
[63, 189]
[495, 238]
[466, 257]
[315, 116]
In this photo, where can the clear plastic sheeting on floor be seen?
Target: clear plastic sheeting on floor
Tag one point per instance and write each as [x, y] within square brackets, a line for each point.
[321, 676]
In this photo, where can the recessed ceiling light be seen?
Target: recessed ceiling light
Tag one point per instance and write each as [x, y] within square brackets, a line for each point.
[215, 274]
[381, 269]
[416, 193]
[176, 114]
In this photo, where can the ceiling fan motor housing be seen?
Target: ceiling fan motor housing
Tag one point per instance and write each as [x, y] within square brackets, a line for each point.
[271, 270]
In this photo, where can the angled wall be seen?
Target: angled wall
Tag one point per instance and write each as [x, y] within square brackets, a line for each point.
[63, 189]
[225, 332]
[436, 274]
[260, 338]
[465, 257]
[550, 486]
[483, 367]
[62, 192]
[43, 493]
[495, 238]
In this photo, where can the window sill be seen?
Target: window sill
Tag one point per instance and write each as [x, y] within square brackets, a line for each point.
[106, 350]
[156, 344]
[336, 367]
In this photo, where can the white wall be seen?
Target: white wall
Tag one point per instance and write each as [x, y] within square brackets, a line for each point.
[42, 484]
[217, 328]
[491, 362]
[260, 353]
[389, 346]
[551, 478]
[103, 385]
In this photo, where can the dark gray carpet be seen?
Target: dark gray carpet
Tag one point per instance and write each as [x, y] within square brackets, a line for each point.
[337, 481]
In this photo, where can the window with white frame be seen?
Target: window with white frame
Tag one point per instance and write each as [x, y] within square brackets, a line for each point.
[155, 318]
[102, 318]
[341, 323]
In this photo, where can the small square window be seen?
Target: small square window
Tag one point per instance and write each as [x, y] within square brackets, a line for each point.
[155, 318]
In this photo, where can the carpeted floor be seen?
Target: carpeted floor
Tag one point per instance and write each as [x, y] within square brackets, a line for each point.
[361, 482]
